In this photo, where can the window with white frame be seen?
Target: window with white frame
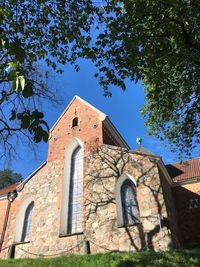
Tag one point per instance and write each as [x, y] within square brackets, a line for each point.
[75, 204]
[129, 203]
[27, 222]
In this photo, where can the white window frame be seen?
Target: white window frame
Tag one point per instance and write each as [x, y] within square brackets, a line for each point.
[27, 223]
[74, 144]
[21, 218]
[119, 183]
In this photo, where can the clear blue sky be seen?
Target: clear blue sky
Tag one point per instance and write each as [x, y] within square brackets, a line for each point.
[122, 108]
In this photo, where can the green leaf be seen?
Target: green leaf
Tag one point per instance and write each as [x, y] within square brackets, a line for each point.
[22, 82]
[14, 2]
[25, 122]
[38, 115]
[10, 66]
[38, 134]
[45, 136]
[11, 75]
[16, 50]
[13, 115]
[37, 138]
[28, 90]
[3, 42]
[19, 116]
[1, 14]
[16, 83]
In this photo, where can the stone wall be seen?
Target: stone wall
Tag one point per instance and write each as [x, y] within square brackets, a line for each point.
[44, 189]
[100, 224]
[103, 165]
[104, 168]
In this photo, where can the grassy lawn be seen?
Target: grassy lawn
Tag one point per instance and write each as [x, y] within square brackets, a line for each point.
[183, 258]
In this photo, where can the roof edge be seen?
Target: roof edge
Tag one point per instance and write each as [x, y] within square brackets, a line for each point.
[133, 152]
[192, 180]
[165, 172]
[102, 115]
[108, 123]
[21, 185]
[183, 161]
[8, 189]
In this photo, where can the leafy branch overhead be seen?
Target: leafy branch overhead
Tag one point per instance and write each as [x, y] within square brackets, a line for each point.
[157, 42]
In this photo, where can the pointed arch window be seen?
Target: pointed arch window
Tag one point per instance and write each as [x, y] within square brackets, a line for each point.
[72, 192]
[129, 203]
[76, 192]
[27, 222]
[126, 201]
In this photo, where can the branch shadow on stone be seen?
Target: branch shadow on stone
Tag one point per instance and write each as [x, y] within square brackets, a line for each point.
[108, 164]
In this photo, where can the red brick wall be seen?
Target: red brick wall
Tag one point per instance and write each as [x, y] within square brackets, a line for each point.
[187, 201]
[172, 216]
[63, 132]
[10, 226]
[3, 207]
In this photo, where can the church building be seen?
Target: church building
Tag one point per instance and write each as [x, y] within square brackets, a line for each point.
[94, 195]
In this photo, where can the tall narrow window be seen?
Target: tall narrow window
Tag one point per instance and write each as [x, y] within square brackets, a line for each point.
[129, 203]
[27, 222]
[75, 122]
[75, 205]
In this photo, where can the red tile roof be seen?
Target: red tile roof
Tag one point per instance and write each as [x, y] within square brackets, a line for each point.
[8, 189]
[187, 170]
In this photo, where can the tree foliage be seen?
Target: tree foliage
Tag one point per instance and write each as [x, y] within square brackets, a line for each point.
[157, 42]
[154, 41]
[8, 177]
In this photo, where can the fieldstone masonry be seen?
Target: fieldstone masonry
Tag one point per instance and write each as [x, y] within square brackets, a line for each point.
[44, 236]
[104, 168]
[103, 165]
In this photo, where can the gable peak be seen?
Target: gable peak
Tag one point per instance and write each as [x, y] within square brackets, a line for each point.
[102, 115]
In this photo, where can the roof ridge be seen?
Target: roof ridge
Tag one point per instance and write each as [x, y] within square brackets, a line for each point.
[198, 158]
[142, 149]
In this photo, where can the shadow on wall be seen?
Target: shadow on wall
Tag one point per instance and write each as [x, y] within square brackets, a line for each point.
[173, 171]
[188, 208]
[108, 164]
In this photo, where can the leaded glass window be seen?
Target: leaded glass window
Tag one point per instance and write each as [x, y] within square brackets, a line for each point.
[76, 192]
[27, 222]
[129, 203]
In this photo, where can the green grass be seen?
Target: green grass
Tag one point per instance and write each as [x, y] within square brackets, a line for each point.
[182, 258]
